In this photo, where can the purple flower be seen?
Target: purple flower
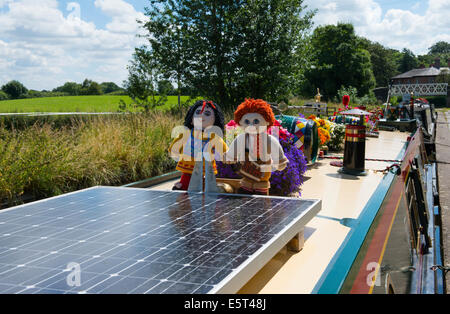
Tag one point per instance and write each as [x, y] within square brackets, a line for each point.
[291, 178]
[284, 182]
[226, 171]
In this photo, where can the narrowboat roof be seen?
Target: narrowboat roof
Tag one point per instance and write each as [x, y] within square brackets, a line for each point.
[346, 207]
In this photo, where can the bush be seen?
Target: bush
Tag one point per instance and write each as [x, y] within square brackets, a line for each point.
[33, 94]
[3, 95]
[14, 89]
[351, 91]
[70, 88]
[366, 100]
[438, 101]
[120, 92]
[38, 94]
[337, 137]
[394, 100]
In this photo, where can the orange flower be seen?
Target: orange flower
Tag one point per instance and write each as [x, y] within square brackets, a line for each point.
[312, 117]
[324, 136]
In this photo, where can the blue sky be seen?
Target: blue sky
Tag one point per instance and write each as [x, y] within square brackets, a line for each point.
[90, 12]
[44, 43]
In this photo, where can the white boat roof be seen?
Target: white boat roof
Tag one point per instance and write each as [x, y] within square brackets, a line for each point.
[344, 198]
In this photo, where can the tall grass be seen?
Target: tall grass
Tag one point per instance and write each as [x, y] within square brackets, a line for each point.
[44, 160]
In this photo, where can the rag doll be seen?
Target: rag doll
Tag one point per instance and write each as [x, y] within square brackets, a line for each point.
[197, 138]
[258, 152]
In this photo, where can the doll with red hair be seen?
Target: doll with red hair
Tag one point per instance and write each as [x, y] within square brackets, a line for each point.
[258, 152]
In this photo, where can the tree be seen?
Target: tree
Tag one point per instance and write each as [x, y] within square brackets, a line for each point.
[14, 89]
[270, 52]
[90, 87]
[109, 87]
[383, 62]
[34, 94]
[165, 87]
[337, 60]
[425, 60]
[3, 95]
[441, 47]
[408, 61]
[143, 77]
[71, 88]
[228, 50]
[443, 77]
[440, 50]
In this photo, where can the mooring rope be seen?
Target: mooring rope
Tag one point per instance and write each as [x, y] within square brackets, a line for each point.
[367, 159]
[389, 168]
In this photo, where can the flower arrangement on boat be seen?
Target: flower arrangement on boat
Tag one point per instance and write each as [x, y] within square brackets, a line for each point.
[324, 129]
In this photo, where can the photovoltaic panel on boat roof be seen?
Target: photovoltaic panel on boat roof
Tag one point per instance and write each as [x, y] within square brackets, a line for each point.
[124, 240]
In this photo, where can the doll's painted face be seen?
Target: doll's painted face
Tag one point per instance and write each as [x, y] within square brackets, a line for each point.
[253, 123]
[204, 119]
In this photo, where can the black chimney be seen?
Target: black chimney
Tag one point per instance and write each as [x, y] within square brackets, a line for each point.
[437, 63]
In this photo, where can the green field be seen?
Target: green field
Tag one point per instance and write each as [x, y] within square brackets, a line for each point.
[104, 103]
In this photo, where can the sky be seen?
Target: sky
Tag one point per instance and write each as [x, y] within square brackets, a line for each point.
[45, 43]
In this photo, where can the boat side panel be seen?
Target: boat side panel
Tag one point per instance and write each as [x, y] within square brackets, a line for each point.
[332, 281]
[387, 251]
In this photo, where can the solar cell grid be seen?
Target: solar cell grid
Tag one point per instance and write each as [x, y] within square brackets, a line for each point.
[136, 240]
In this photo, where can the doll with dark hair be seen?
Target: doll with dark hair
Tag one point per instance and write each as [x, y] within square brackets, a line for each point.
[204, 126]
[210, 109]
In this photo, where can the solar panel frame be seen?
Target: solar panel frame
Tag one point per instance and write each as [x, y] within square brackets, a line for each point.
[233, 280]
[241, 275]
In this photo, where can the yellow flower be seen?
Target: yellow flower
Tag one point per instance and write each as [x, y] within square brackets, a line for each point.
[324, 136]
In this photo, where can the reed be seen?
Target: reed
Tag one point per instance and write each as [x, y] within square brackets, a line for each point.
[43, 160]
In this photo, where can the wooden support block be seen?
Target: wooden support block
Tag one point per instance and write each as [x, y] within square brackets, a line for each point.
[297, 243]
[234, 183]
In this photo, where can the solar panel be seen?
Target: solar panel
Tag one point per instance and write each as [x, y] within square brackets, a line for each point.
[125, 240]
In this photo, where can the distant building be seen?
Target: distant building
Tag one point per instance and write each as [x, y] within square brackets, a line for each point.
[405, 82]
[421, 82]
[422, 75]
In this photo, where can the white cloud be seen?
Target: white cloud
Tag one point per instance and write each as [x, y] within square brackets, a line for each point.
[396, 28]
[123, 15]
[4, 3]
[42, 48]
